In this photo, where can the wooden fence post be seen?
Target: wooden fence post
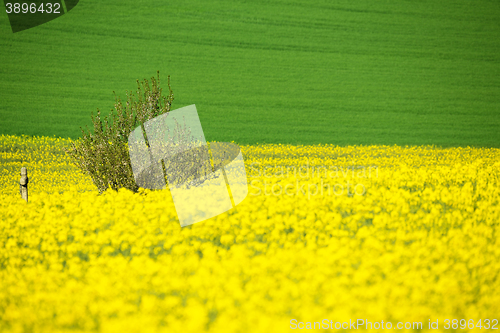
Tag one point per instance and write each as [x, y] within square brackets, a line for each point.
[23, 187]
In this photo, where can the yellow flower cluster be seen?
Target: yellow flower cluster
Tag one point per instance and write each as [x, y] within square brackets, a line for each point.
[388, 233]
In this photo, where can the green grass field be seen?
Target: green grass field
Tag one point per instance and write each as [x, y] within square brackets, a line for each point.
[300, 72]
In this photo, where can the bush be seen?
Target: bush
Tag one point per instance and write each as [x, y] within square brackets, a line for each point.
[104, 155]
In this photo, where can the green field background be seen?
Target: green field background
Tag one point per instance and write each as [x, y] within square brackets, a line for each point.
[274, 71]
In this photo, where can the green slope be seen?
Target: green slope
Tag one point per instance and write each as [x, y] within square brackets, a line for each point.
[343, 72]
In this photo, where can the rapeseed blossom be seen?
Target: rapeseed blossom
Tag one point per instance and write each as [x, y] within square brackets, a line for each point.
[374, 232]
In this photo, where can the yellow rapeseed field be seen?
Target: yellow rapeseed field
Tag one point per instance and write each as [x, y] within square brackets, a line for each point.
[327, 236]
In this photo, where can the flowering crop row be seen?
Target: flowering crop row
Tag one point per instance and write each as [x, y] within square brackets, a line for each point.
[419, 242]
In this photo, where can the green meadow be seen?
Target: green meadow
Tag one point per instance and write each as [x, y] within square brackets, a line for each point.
[297, 72]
